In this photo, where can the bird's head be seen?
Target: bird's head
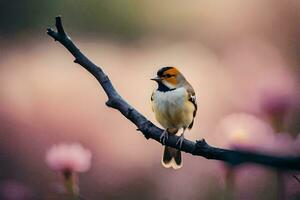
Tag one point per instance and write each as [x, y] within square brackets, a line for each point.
[169, 77]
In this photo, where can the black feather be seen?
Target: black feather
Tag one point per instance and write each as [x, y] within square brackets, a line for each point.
[163, 88]
[177, 157]
[162, 70]
[167, 156]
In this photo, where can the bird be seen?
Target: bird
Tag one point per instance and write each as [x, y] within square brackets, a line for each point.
[174, 106]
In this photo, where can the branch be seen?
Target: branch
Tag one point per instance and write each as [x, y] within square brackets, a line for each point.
[149, 130]
[296, 177]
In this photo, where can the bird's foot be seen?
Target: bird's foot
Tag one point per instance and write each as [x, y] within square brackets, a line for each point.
[164, 137]
[180, 140]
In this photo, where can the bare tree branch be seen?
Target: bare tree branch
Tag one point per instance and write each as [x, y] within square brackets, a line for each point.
[199, 148]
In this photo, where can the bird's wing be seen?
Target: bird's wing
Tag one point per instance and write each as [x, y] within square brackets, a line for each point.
[192, 98]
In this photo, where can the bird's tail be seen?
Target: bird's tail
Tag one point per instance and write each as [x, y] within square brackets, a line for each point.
[171, 158]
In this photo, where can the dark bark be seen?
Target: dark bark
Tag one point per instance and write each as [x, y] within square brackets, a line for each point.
[199, 148]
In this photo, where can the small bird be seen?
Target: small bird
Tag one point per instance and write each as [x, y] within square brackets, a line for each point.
[174, 105]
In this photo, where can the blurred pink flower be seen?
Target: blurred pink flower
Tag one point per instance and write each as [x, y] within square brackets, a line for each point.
[69, 157]
[266, 84]
[276, 103]
[248, 132]
[245, 131]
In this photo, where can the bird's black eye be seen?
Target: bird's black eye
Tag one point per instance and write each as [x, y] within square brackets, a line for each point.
[168, 75]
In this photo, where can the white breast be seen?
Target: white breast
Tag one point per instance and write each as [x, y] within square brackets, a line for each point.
[170, 100]
[170, 108]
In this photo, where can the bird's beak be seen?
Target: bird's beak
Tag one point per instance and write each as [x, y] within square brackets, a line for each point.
[157, 79]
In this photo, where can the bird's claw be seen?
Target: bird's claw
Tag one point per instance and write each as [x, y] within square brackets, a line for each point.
[180, 141]
[164, 137]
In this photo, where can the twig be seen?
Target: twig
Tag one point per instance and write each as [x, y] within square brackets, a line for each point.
[296, 177]
[199, 148]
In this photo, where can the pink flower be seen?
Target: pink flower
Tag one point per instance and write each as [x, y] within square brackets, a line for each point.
[69, 157]
[245, 131]
[276, 103]
[266, 85]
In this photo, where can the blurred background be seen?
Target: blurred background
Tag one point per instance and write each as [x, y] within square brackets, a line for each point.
[242, 57]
